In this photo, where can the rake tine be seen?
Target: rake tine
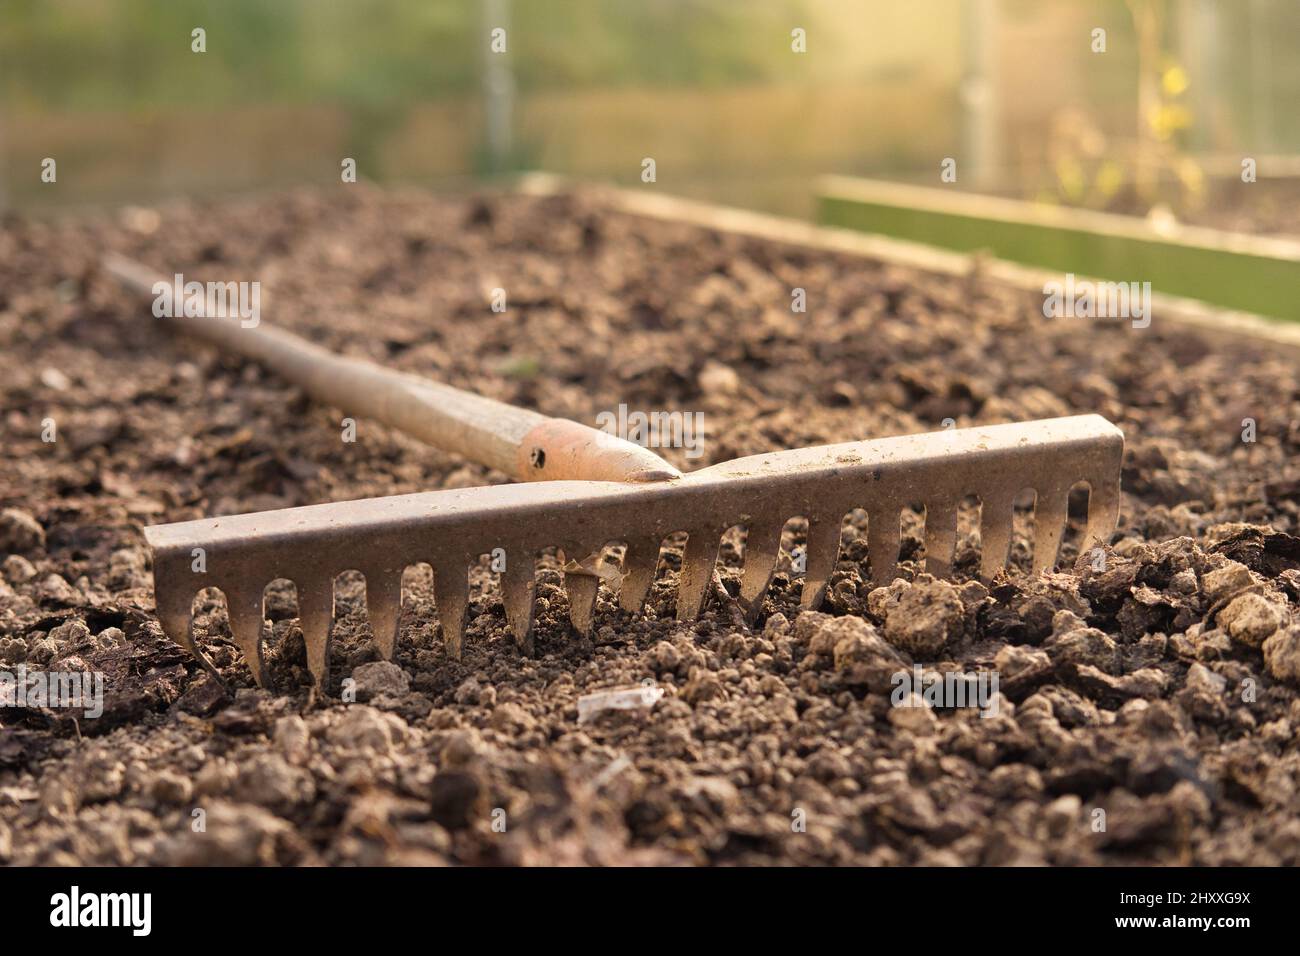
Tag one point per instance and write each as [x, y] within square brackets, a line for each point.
[244, 605]
[640, 561]
[884, 539]
[1103, 515]
[995, 533]
[518, 587]
[315, 616]
[384, 607]
[940, 537]
[762, 551]
[582, 588]
[1050, 516]
[701, 555]
[451, 593]
[821, 553]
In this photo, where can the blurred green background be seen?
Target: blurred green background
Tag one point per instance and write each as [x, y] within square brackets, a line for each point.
[711, 89]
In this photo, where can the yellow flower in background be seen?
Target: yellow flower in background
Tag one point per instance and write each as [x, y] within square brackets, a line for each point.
[1168, 119]
[1174, 80]
[1110, 177]
[1070, 178]
[1191, 175]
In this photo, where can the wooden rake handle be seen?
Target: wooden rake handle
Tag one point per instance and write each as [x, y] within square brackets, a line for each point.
[523, 444]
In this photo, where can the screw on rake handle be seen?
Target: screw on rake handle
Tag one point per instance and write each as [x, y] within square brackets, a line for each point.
[523, 444]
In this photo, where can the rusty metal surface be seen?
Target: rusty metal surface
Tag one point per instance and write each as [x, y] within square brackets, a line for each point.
[449, 529]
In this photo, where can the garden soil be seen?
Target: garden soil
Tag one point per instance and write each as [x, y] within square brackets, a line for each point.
[1149, 693]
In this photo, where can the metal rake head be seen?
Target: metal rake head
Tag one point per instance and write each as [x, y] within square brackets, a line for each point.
[380, 537]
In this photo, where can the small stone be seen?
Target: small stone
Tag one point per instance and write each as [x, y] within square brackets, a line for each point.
[973, 594]
[380, 678]
[806, 624]
[109, 638]
[127, 569]
[1211, 645]
[102, 776]
[20, 533]
[1278, 732]
[717, 795]
[778, 625]
[1251, 619]
[843, 596]
[55, 590]
[43, 652]
[719, 379]
[18, 570]
[913, 715]
[58, 800]
[462, 749]
[510, 718]
[843, 394]
[1013, 661]
[1148, 682]
[1282, 655]
[1065, 620]
[12, 650]
[456, 799]
[1201, 678]
[1149, 651]
[771, 685]
[827, 765]
[271, 782]
[821, 632]
[247, 715]
[54, 379]
[364, 728]
[469, 692]
[1225, 581]
[1016, 781]
[1135, 549]
[1084, 646]
[170, 788]
[202, 697]
[864, 658]
[216, 777]
[73, 633]
[1061, 814]
[880, 600]
[702, 685]
[926, 618]
[292, 738]
[664, 657]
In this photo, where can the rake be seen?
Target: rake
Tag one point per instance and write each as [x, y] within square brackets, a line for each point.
[582, 490]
